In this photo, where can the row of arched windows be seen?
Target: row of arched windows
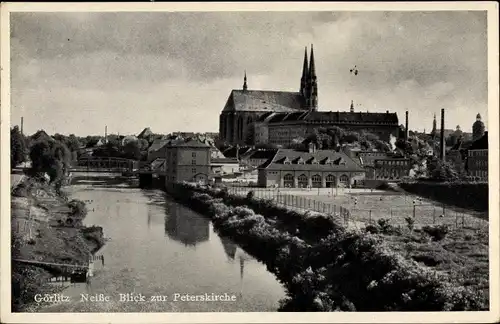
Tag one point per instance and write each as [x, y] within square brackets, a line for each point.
[316, 181]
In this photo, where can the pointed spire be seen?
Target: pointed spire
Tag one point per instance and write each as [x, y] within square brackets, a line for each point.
[305, 74]
[245, 87]
[352, 106]
[312, 68]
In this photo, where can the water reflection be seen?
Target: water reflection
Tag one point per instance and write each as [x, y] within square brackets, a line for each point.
[229, 247]
[185, 227]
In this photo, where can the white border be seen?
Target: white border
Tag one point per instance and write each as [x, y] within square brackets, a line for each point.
[357, 317]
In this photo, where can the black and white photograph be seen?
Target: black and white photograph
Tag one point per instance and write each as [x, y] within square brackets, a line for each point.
[263, 161]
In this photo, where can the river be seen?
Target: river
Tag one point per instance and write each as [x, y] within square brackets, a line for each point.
[158, 247]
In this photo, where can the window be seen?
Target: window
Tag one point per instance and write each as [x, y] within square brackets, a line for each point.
[316, 181]
[288, 181]
[193, 170]
[344, 179]
[193, 154]
[193, 162]
[331, 181]
[302, 181]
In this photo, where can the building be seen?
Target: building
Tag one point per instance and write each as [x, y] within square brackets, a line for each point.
[279, 117]
[258, 157]
[224, 166]
[314, 168]
[392, 169]
[477, 128]
[243, 107]
[366, 159]
[187, 160]
[477, 158]
[283, 129]
[157, 149]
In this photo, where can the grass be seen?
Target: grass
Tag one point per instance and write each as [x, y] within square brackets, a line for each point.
[368, 207]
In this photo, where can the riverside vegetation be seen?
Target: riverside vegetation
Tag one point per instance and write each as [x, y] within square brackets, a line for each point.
[57, 236]
[326, 267]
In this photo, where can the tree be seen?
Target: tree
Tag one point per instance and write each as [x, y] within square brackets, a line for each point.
[17, 147]
[51, 157]
[132, 151]
[143, 144]
[441, 170]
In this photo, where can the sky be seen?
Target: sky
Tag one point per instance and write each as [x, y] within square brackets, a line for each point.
[75, 73]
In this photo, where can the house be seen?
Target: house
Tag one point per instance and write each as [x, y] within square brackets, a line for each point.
[222, 166]
[477, 158]
[187, 160]
[392, 169]
[258, 157]
[313, 168]
[157, 149]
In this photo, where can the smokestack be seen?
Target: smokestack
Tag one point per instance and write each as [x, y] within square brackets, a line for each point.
[441, 139]
[105, 134]
[406, 127]
[22, 125]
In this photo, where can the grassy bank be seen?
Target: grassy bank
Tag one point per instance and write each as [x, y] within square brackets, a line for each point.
[47, 227]
[325, 267]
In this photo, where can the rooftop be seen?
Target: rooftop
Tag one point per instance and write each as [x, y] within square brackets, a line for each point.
[263, 100]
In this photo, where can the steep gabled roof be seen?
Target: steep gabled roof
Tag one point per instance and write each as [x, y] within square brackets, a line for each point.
[328, 161]
[260, 100]
[146, 132]
[157, 144]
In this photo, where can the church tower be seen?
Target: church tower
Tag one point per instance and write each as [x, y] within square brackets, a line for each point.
[434, 127]
[312, 93]
[245, 87]
[305, 76]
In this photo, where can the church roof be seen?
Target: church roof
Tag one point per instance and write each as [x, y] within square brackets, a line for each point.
[320, 160]
[336, 117]
[260, 100]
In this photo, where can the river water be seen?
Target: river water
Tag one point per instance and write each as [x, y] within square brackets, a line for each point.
[158, 247]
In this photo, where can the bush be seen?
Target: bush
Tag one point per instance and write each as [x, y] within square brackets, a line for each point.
[437, 232]
[78, 208]
[250, 194]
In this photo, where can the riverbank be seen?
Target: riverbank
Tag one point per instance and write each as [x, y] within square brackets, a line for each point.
[47, 227]
[326, 267]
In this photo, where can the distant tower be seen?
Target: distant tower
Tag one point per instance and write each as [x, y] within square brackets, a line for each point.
[442, 147]
[434, 127]
[22, 125]
[245, 87]
[352, 106]
[105, 134]
[477, 128]
[312, 93]
[305, 75]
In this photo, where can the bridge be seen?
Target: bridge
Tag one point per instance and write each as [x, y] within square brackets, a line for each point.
[105, 164]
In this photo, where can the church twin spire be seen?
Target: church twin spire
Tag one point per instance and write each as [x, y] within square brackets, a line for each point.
[308, 82]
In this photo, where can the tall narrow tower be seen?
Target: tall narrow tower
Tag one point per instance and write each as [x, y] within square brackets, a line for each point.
[442, 147]
[22, 125]
[352, 106]
[312, 97]
[305, 75]
[106, 134]
[434, 127]
[245, 87]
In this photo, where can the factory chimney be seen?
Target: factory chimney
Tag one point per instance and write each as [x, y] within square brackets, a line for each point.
[105, 134]
[406, 127]
[442, 146]
[22, 125]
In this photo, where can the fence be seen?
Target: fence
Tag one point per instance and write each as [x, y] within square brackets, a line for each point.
[358, 211]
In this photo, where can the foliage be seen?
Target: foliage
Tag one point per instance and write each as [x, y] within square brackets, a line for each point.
[437, 232]
[78, 208]
[51, 157]
[441, 170]
[410, 223]
[17, 147]
[250, 194]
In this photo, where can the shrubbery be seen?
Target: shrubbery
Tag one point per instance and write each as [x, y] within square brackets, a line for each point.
[437, 232]
[333, 270]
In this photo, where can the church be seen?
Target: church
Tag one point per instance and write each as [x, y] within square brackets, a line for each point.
[245, 117]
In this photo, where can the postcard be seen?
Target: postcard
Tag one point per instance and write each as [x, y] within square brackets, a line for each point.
[250, 162]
